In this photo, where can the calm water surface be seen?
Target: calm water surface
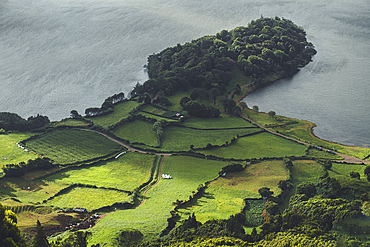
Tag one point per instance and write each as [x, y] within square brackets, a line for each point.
[59, 55]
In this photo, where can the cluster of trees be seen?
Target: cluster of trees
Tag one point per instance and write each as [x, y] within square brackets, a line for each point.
[13, 122]
[194, 108]
[107, 106]
[18, 170]
[265, 46]
[10, 235]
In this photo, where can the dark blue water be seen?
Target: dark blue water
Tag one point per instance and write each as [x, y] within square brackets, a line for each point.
[59, 55]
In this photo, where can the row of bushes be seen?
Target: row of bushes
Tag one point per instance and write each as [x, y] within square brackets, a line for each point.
[75, 185]
[18, 170]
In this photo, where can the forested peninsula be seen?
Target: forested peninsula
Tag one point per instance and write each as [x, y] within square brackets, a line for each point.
[183, 161]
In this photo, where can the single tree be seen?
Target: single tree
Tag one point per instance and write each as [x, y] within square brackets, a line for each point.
[74, 114]
[272, 114]
[255, 108]
[213, 93]
[243, 105]
[40, 238]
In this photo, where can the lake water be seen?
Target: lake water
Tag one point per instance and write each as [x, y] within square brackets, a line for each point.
[60, 55]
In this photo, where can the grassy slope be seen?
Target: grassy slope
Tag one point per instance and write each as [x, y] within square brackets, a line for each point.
[150, 218]
[88, 198]
[259, 146]
[129, 131]
[70, 146]
[125, 173]
[121, 110]
[306, 171]
[225, 121]
[180, 139]
[10, 153]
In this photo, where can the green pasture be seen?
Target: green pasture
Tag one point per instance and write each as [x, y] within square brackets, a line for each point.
[72, 146]
[121, 111]
[255, 176]
[180, 138]
[154, 110]
[225, 121]
[156, 117]
[258, 146]
[70, 122]
[306, 171]
[137, 131]
[341, 169]
[10, 153]
[216, 203]
[238, 77]
[151, 218]
[28, 190]
[314, 153]
[88, 198]
[175, 99]
[127, 172]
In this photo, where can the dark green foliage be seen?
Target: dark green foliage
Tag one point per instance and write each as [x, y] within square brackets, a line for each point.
[40, 238]
[265, 192]
[367, 170]
[231, 168]
[10, 235]
[306, 188]
[194, 108]
[17, 170]
[265, 46]
[11, 121]
[354, 175]
[128, 237]
[288, 163]
[331, 187]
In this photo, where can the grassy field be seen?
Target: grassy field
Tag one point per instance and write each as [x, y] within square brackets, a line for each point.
[340, 169]
[258, 146]
[71, 146]
[216, 203]
[121, 110]
[137, 131]
[156, 117]
[88, 198]
[306, 171]
[151, 217]
[175, 99]
[225, 121]
[125, 173]
[10, 153]
[154, 110]
[69, 122]
[262, 174]
[180, 139]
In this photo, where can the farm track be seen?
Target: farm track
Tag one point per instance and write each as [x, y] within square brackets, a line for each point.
[158, 180]
[165, 155]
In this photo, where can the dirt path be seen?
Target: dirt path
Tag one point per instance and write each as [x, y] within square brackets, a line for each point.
[165, 155]
[346, 158]
[159, 175]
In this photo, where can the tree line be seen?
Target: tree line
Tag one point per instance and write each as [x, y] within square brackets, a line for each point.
[13, 122]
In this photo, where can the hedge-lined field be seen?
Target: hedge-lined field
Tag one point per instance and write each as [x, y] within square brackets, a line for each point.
[262, 174]
[216, 203]
[258, 146]
[306, 171]
[151, 218]
[72, 146]
[137, 131]
[340, 169]
[10, 153]
[180, 139]
[225, 121]
[125, 173]
[88, 198]
[70, 123]
[121, 111]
